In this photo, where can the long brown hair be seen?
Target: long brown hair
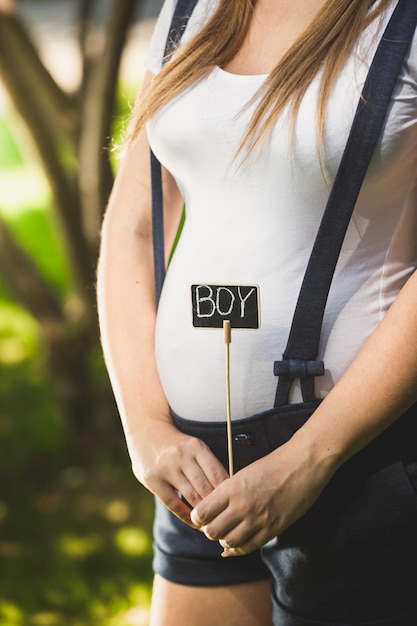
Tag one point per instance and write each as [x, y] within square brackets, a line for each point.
[324, 46]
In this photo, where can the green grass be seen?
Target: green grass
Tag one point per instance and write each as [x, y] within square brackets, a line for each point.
[76, 551]
[75, 546]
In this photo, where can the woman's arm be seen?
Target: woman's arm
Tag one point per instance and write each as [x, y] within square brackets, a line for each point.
[163, 459]
[268, 496]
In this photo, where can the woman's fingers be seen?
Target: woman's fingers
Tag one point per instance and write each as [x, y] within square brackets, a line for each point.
[249, 509]
[236, 545]
[210, 509]
[180, 470]
[237, 530]
[231, 503]
[197, 472]
[188, 488]
[202, 471]
[176, 503]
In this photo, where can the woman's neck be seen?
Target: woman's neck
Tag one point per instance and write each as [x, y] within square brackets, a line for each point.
[274, 28]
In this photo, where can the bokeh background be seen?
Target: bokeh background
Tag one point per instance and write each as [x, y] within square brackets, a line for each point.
[75, 540]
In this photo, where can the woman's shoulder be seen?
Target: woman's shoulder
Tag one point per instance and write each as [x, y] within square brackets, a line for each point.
[202, 12]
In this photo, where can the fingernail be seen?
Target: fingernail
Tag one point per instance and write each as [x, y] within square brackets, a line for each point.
[194, 518]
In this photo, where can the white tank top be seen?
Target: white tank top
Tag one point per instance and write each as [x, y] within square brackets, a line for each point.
[254, 223]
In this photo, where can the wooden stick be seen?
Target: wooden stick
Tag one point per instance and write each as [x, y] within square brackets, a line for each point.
[227, 340]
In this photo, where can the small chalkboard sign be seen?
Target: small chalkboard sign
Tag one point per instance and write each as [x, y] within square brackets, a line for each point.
[213, 304]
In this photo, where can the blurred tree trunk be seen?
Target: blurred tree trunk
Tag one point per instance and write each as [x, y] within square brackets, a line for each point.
[71, 133]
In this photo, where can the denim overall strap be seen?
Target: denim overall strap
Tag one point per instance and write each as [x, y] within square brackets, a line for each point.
[299, 358]
[182, 13]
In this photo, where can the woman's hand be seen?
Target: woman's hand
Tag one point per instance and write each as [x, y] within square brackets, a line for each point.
[170, 463]
[262, 500]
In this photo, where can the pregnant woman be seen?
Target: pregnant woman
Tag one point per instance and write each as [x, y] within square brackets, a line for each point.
[249, 119]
